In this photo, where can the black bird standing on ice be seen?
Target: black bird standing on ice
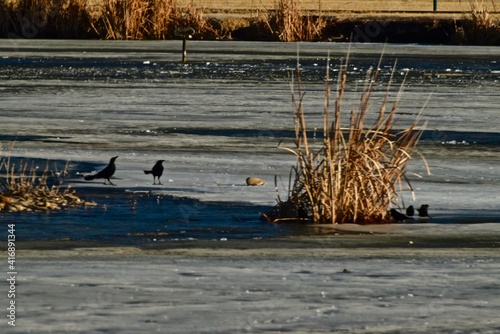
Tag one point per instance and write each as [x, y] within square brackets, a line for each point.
[398, 216]
[105, 174]
[422, 212]
[410, 211]
[157, 171]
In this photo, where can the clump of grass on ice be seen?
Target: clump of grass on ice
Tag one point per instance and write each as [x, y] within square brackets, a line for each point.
[23, 188]
[359, 171]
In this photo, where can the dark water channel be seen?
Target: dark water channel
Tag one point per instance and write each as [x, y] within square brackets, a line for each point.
[136, 215]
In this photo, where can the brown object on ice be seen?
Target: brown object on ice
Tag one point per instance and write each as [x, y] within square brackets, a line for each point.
[255, 181]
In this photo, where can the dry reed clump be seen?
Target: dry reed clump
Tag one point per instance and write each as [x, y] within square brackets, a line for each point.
[287, 23]
[145, 19]
[106, 19]
[123, 19]
[479, 28]
[23, 189]
[358, 172]
[162, 14]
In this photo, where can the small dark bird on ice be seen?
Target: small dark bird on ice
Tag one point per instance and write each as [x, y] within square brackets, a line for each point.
[410, 211]
[105, 174]
[157, 171]
[398, 216]
[422, 212]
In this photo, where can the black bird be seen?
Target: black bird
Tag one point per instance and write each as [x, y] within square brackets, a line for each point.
[302, 211]
[106, 173]
[422, 212]
[157, 171]
[410, 211]
[398, 216]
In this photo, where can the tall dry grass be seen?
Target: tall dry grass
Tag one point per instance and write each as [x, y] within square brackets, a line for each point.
[162, 19]
[147, 19]
[359, 171]
[105, 19]
[123, 19]
[479, 27]
[287, 22]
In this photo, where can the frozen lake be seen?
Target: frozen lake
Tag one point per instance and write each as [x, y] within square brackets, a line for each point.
[285, 291]
[218, 119]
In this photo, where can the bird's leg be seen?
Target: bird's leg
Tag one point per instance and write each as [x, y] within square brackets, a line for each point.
[111, 183]
[159, 182]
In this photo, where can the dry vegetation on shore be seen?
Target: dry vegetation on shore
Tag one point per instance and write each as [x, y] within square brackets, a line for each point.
[481, 28]
[278, 20]
[145, 19]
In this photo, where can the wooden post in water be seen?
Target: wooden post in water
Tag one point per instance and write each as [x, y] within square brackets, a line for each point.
[185, 33]
[184, 51]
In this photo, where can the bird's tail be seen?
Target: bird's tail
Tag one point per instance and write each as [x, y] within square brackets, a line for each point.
[148, 172]
[89, 177]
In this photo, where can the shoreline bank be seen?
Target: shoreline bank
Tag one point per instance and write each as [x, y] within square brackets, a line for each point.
[289, 21]
[445, 29]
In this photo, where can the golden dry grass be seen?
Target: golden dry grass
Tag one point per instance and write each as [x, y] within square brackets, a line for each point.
[24, 188]
[280, 20]
[288, 23]
[480, 27]
[359, 171]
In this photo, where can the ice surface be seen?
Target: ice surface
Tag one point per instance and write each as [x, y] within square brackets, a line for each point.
[319, 291]
[219, 118]
[216, 121]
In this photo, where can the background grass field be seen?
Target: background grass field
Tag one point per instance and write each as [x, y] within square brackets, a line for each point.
[346, 7]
